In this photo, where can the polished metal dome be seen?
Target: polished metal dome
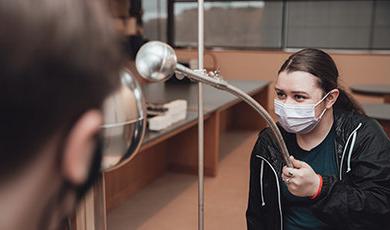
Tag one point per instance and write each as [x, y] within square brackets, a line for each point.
[124, 123]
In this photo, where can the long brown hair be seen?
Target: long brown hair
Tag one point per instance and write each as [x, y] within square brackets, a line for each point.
[322, 66]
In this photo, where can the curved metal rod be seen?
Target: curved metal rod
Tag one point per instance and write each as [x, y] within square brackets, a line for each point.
[219, 83]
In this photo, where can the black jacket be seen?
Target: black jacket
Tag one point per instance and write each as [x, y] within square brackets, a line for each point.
[358, 198]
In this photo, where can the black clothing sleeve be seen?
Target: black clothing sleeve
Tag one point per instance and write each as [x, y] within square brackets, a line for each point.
[255, 212]
[362, 199]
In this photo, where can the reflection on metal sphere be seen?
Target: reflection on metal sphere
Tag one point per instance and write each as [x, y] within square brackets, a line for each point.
[124, 123]
[156, 61]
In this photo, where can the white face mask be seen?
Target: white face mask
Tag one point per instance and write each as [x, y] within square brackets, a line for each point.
[298, 118]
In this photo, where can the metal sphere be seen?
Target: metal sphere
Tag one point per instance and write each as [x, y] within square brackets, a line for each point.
[156, 61]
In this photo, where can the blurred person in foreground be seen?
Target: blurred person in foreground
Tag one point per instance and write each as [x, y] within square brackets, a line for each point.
[59, 60]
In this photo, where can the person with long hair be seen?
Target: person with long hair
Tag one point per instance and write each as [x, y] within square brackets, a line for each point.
[340, 177]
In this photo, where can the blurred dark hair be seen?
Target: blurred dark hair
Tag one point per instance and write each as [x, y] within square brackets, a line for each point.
[58, 59]
[322, 66]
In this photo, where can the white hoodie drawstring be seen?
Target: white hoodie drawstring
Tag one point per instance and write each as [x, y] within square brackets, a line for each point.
[351, 148]
[261, 183]
[278, 187]
[353, 135]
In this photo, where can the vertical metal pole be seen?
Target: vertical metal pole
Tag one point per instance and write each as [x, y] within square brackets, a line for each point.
[200, 118]
[170, 23]
[159, 19]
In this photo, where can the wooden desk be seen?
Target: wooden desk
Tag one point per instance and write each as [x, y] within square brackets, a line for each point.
[373, 90]
[176, 147]
[380, 112]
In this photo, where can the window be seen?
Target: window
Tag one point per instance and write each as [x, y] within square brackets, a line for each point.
[326, 24]
[154, 19]
[381, 25]
[230, 24]
[362, 25]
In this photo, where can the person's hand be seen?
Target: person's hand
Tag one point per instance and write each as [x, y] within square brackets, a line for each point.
[301, 180]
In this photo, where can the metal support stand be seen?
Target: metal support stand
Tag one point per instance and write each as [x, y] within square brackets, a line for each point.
[200, 118]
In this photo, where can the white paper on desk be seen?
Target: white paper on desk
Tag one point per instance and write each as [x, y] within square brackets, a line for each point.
[176, 106]
[158, 123]
[177, 111]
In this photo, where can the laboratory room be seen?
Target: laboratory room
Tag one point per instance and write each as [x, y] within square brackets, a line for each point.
[194, 115]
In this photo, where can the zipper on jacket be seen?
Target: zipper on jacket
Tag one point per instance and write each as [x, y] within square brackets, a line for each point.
[278, 187]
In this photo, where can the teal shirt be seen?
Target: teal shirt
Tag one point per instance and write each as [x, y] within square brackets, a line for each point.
[296, 210]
